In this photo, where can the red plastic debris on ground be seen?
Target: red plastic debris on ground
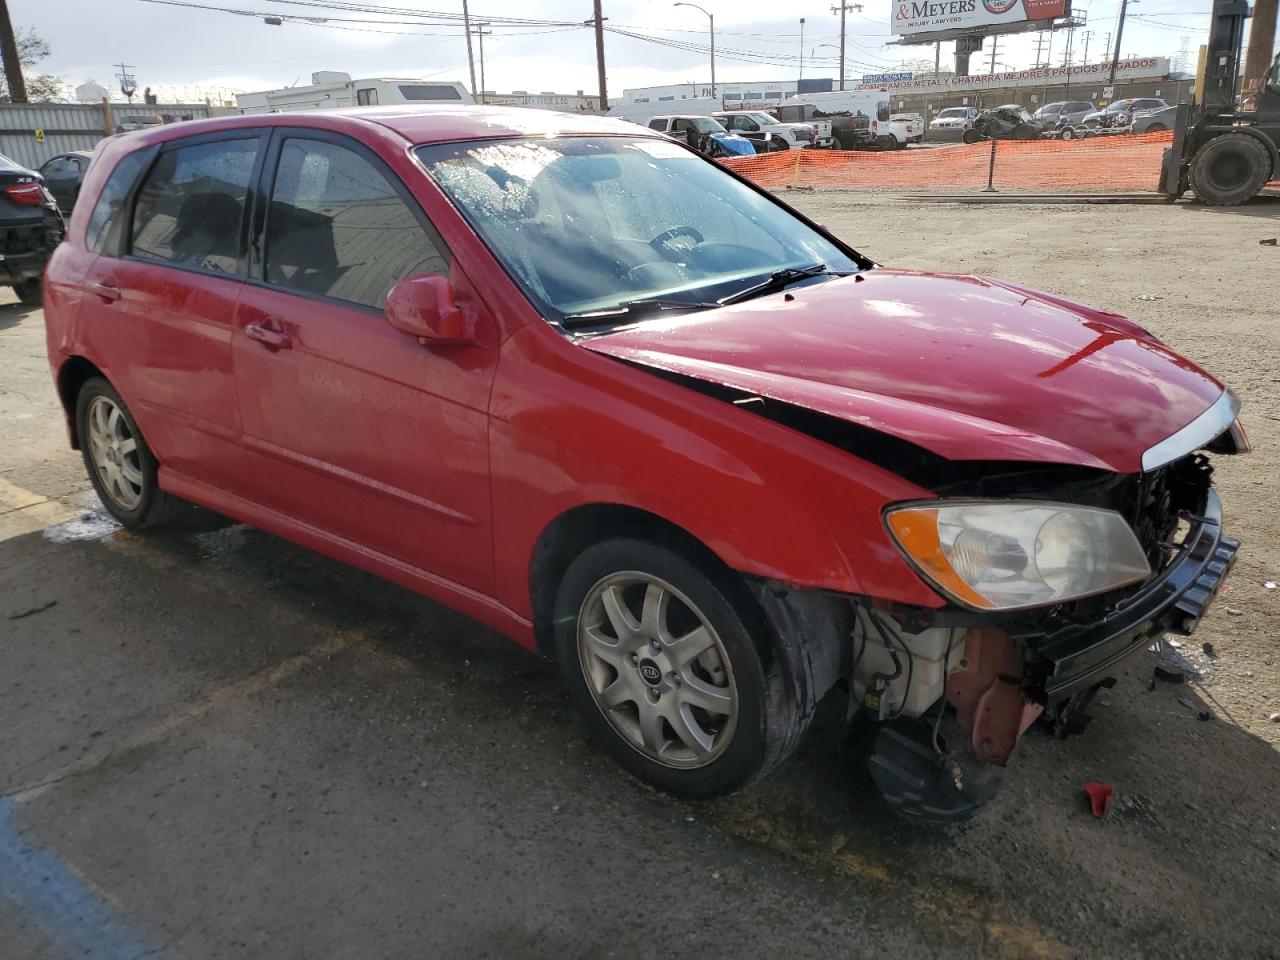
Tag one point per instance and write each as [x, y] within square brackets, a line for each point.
[1099, 797]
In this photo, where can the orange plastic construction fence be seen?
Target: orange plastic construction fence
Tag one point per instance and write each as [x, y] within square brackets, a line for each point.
[1095, 165]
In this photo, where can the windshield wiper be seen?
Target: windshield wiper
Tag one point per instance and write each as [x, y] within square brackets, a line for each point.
[633, 308]
[779, 280]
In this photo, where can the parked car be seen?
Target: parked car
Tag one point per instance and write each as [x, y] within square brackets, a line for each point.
[30, 227]
[1073, 111]
[1154, 121]
[766, 132]
[1008, 122]
[955, 118]
[63, 176]
[1120, 112]
[705, 135]
[568, 376]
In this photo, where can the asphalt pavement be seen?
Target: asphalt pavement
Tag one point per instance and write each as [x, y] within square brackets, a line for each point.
[216, 744]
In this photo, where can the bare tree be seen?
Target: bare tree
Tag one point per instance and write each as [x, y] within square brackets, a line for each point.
[32, 49]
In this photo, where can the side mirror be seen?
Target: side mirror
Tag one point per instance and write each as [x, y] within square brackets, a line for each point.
[423, 307]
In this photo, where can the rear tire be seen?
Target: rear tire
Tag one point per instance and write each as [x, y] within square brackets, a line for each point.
[971, 136]
[1230, 169]
[118, 460]
[30, 292]
[623, 609]
[1156, 128]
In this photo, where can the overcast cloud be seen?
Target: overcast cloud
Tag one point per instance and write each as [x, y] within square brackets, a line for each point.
[208, 51]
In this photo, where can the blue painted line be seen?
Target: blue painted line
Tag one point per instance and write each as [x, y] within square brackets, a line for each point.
[69, 915]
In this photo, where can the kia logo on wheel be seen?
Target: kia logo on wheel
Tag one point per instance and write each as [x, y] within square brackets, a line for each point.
[649, 672]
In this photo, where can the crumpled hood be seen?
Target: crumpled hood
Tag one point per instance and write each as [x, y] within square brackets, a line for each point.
[968, 367]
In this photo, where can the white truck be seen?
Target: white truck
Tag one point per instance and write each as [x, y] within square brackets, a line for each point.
[767, 132]
[859, 118]
[331, 88]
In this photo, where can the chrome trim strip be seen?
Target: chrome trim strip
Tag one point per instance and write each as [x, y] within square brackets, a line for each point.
[1195, 434]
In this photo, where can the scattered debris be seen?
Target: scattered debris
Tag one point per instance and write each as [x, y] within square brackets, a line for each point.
[1234, 611]
[1205, 715]
[1269, 584]
[1169, 673]
[1149, 296]
[1176, 644]
[1209, 651]
[1270, 242]
[33, 611]
[1275, 718]
[1188, 703]
[1099, 795]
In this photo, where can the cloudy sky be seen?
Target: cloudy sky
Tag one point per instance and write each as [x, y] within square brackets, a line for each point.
[192, 52]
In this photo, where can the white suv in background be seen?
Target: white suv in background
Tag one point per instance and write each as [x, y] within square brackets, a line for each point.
[769, 133]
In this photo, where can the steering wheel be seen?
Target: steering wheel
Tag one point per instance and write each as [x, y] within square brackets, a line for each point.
[662, 241]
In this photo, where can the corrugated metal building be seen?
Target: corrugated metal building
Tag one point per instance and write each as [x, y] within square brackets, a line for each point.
[30, 134]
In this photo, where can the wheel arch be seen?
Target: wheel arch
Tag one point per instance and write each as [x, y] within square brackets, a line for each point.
[1213, 133]
[74, 373]
[577, 528]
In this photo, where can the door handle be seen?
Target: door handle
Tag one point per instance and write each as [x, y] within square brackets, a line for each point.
[107, 291]
[273, 339]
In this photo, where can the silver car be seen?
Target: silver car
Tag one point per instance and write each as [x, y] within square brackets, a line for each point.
[1155, 121]
[1074, 110]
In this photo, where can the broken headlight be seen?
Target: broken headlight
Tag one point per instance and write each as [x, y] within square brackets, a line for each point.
[1009, 555]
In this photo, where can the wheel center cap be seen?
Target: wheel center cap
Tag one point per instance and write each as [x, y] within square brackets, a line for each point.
[649, 671]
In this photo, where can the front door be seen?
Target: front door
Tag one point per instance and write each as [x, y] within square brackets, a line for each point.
[352, 426]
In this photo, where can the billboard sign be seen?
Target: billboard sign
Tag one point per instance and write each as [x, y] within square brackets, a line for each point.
[881, 78]
[1140, 68]
[929, 16]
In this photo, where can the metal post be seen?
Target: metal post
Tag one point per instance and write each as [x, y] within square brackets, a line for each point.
[712, 18]
[991, 169]
[480, 33]
[801, 49]
[604, 91]
[1115, 58]
[471, 62]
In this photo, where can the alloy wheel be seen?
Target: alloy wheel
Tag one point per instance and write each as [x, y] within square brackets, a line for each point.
[114, 451]
[657, 669]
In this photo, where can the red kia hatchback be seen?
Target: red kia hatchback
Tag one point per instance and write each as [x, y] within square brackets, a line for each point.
[605, 396]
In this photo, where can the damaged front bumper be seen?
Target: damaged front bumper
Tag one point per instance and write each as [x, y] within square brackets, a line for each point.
[1078, 657]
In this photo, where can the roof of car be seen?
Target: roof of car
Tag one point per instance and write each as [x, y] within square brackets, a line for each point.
[425, 123]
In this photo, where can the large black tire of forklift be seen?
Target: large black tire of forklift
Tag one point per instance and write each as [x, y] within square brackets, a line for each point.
[1230, 169]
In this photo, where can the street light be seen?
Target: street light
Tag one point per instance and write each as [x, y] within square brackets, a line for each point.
[802, 48]
[712, 18]
[840, 79]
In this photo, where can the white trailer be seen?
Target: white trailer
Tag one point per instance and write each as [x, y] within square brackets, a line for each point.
[330, 88]
[873, 105]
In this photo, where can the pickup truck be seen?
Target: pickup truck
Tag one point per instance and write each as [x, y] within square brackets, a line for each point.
[767, 132]
[906, 128]
[823, 127]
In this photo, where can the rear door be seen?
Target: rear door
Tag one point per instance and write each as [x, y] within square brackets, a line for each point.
[352, 426]
[159, 301]
[62, 177]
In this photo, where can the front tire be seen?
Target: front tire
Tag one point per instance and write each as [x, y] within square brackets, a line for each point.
[118, 460]
[1230, 169]
[668, 663]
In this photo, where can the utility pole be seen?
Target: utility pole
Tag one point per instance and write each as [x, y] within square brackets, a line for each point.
[1262, 34]
[842, 9]
[471, 62]
[604, 90]
[480, 28]
[937, 59]
[1084, 57]
[1039, 47]
[802, 48]
[711, 18]
[1115, 59]
[995, 42]
[9, 50]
